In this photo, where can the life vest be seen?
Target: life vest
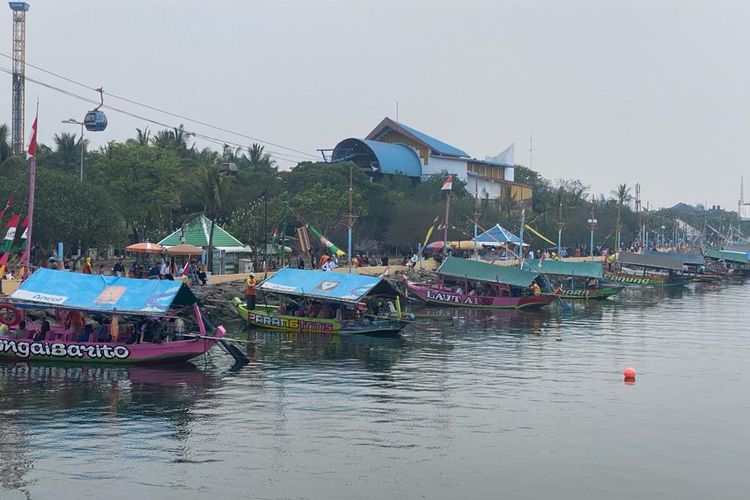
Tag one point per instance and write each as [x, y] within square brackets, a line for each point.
[250, 286]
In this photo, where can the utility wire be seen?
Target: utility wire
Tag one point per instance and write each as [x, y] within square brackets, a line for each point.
[281, 156]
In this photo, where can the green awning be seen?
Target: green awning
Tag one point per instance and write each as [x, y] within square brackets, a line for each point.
[561, 268]
[455, 267]
[727, 255]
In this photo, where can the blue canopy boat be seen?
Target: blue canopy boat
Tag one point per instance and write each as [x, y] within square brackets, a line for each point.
[317, 301]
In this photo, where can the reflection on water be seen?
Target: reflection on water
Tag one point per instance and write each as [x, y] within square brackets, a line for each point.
[484, 404]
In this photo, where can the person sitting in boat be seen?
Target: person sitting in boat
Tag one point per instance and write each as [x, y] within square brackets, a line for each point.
[43, 331]
[102, 335]
[85, 335]
[20, 332]
[325, 312]
[592, 283]
[558, 290]
[535, 289]
[459, 290]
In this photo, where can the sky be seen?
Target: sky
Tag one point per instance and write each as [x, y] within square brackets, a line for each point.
[651, 92]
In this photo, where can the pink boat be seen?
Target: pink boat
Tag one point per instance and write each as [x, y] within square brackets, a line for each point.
[481, 285]
[445, 296]
[70, 294]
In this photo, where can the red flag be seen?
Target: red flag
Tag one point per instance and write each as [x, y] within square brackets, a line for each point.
[32, 144]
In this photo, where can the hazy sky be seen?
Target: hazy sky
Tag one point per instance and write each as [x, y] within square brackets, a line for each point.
[655, 92]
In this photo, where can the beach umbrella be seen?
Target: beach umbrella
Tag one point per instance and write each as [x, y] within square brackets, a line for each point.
[184, 249]
[437, 245]
[145, 247]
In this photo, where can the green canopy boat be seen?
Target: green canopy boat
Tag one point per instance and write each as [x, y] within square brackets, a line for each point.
[575, 280]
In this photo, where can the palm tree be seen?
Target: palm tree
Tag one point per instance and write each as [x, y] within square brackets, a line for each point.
[258, 159]
[211, 189]
[68, 150]
[175, 140]
[5, 149]
[621, 195]
[143, 137]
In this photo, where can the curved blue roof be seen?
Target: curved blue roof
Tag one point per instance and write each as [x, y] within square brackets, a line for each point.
[396, 158]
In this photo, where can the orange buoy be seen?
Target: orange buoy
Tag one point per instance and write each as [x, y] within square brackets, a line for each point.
[629, 373]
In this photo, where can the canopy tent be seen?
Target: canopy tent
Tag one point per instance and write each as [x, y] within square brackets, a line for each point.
[197, 233]
[455, 267]
[96, 293]
[561, 268]
[184, 249]
[497, 236]
[653, 261]
[145, 247]
[337, 287]
[727, 256]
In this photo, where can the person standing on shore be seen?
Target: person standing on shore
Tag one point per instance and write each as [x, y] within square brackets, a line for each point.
[87, 269]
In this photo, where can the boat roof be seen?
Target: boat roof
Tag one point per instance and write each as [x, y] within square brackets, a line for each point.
[562, 268]
[688, 259]
[659, 261]
[331, 286]
[455, 267]
[727, 255]
[96, 293]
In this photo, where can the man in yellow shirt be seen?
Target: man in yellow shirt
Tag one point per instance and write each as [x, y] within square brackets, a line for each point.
[250, 292]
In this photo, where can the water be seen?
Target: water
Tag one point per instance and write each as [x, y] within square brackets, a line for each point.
[493, 405]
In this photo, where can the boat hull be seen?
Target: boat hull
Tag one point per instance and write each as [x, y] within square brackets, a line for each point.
[602, 293]
[147, 353]
[267, 317]
[656, 281]
[446, 298]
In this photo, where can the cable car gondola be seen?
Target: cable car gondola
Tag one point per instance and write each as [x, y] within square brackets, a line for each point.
[95, 120]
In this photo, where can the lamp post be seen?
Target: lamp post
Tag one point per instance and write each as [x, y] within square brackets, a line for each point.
[71, 121]
[592, 225]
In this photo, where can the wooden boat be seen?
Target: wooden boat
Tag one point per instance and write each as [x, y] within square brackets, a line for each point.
[70, 293]
[575, 280]
[633, 269]
[728, 262]
[494, 287]
[341, 303]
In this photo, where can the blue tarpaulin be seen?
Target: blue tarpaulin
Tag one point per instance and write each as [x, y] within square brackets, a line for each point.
[497, 235]
[338, 287]
[99, 293]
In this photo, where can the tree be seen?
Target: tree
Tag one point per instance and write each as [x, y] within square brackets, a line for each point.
[622, 196]
[258, 159]
[5, 149]
[67, 152]
[142, 182]
[211, 188]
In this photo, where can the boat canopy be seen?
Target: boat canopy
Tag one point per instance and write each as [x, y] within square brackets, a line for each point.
[96, 293]
[561, 268]
[727, 255]
[455, 267]
[336, 287]
[655, 261]
[688, 259]
[497, 236]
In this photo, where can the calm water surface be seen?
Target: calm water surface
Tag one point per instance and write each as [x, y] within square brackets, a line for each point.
[492, 405]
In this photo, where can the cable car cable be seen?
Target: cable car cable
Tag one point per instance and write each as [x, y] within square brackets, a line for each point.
[153, 108]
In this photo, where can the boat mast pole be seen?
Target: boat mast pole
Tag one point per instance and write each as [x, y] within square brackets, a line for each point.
[350, 218]
[445, 229]
[520, 238]
[32, 196]
[560, 226]
[476, 217]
